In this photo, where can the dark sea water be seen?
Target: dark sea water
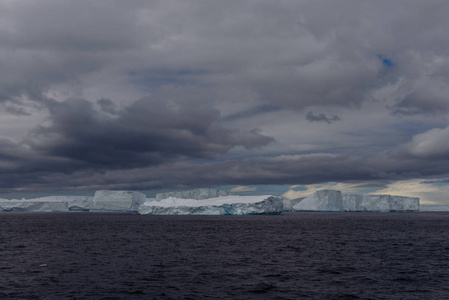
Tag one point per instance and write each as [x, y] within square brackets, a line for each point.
[288, 256]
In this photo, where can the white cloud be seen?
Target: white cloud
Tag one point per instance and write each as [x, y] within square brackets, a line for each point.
[432, 143]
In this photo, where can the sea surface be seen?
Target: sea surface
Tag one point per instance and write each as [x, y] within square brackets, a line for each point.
[288, 256]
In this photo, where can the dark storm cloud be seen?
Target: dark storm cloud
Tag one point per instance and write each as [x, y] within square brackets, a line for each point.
[79, 143]
[312, 117]
[307, 169]
[313, 169]
[195, 64]
[144, 133]
[82, 163]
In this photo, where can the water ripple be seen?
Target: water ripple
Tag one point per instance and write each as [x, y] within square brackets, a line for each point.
[289, 256]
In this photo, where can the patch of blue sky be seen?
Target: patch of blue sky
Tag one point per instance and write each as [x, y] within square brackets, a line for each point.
[385, 61]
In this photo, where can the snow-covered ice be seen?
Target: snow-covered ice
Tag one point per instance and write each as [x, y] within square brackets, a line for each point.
[226, 205]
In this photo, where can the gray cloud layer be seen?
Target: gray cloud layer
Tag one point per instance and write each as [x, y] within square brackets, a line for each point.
[151, 94]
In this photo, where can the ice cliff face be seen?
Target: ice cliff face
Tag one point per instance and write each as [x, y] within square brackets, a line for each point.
[74, 203]
[330, 200]
[117, 200]
[289, 203]
[226, 205]
[324, 200]
[198, 194]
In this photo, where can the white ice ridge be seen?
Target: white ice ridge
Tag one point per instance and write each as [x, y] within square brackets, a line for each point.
[331, 200]
[226, 205]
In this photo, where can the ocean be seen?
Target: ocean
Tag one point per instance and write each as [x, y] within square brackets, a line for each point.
[287, 256]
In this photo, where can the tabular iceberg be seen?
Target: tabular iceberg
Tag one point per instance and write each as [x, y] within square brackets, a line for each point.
[226, 205]
[210, 202]
[33, 205]
[74, 203]
[331, 200]
[114, 201]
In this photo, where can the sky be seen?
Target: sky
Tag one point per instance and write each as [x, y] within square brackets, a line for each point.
[289, 96]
